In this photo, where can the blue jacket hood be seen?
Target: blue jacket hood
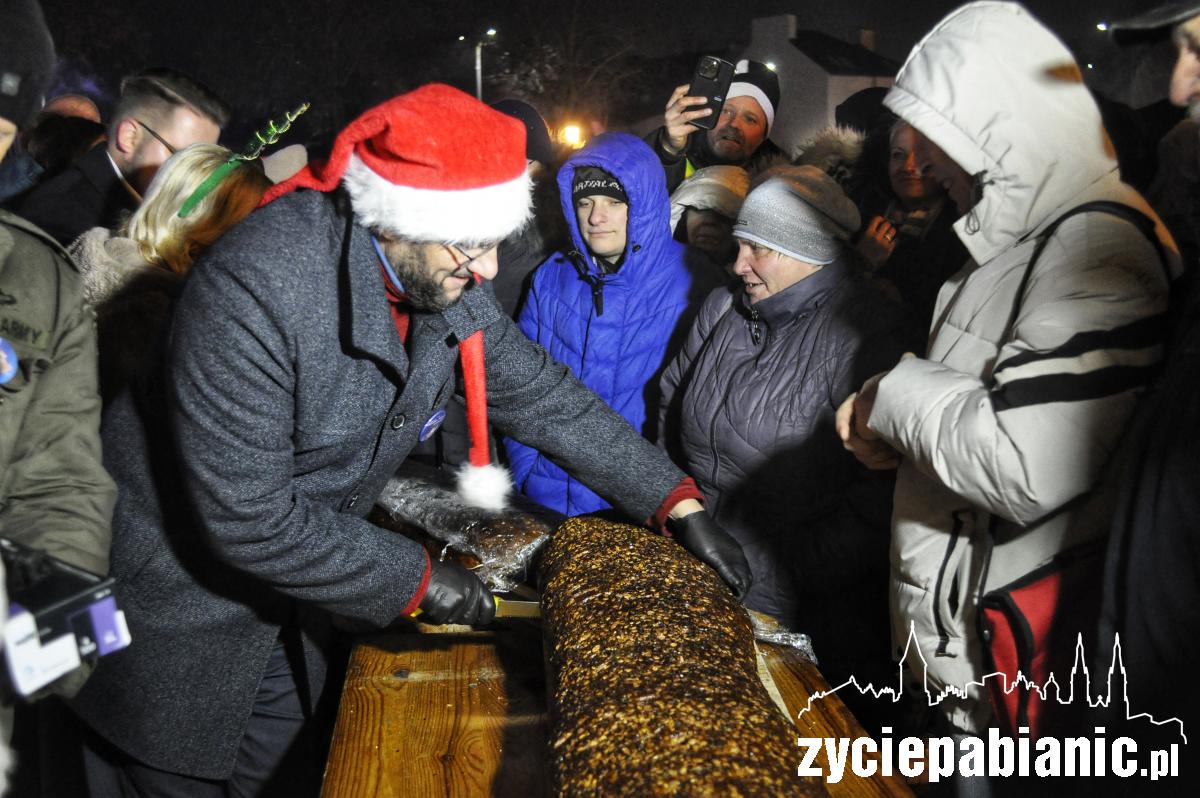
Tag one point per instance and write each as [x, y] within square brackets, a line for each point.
[615, 331]
[631, 161]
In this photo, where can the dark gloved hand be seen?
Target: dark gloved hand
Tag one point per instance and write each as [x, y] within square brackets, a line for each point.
[456, 595]
[710, 544]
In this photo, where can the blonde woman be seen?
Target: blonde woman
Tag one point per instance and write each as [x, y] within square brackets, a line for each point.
[132, 277]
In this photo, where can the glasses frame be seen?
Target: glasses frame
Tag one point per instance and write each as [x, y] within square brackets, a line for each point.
[159, 138]
[467, 259]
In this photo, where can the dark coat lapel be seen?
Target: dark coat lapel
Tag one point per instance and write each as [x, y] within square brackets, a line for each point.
[372, 330]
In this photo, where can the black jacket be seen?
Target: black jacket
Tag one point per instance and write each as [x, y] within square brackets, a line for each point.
[518, 256]
[1152, 577]
[87, 195]
[243, 495]
[924, 257]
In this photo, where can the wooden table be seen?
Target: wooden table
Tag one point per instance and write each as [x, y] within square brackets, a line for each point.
[462, 713]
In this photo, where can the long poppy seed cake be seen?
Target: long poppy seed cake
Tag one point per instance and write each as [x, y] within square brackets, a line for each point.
[654, 688]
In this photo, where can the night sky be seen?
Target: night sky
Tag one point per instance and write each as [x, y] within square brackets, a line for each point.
[268, 55]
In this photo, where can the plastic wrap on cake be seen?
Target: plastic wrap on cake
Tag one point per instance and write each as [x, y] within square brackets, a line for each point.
[769, 630]
[499, 546]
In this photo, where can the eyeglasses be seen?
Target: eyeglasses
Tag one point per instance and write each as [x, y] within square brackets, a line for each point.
[468, 259]
[161, 140]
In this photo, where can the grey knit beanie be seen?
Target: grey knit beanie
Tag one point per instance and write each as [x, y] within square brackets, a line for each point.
[801, 212]
[26, 60]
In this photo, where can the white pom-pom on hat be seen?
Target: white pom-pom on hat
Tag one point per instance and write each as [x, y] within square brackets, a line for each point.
[485, 486]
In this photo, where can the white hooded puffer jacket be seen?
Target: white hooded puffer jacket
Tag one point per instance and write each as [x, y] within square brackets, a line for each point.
[1016, 427]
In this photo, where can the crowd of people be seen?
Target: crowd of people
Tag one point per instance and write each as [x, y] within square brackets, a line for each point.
[872, 385]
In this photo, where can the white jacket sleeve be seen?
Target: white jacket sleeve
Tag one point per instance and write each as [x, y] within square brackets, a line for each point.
[1039, 433]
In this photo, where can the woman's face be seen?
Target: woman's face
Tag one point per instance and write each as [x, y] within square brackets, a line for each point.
[765, 272]
[911, 178]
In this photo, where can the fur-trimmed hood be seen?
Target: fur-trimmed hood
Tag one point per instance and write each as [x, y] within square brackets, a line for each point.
[109, 263]
[133, 301]
[834, 150]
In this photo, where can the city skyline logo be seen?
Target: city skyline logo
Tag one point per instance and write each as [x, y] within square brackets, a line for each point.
[1049, 690]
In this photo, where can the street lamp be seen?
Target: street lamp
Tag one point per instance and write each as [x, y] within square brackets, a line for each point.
[491, 33]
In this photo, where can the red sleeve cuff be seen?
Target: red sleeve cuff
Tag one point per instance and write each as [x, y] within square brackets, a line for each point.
[686, 489]
[415, 602]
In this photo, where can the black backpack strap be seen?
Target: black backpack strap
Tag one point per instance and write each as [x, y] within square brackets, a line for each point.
[1130, 214]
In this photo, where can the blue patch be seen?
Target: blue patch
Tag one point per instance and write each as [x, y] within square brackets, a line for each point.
[431, 426]
[8, 362]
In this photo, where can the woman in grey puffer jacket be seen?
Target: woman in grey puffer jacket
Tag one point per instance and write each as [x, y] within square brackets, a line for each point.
[748, 412]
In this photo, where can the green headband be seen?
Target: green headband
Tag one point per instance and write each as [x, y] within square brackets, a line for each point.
[261, 140]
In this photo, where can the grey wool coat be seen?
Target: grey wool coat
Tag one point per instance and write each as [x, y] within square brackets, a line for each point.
[289, 402]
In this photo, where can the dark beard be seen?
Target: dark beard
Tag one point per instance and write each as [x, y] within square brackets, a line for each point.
[423, 292]
[713, 159]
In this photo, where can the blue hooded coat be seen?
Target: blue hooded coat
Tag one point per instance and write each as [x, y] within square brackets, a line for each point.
[615, 331]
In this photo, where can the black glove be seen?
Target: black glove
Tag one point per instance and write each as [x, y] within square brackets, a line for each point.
[456, 595]
[711, 545]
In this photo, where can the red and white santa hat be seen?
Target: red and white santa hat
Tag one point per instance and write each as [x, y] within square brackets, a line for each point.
[431, 165]
[436, 165]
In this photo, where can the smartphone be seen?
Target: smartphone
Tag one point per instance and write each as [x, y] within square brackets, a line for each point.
[710, 80]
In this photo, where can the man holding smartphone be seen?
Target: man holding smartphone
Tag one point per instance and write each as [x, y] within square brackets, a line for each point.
[739, 137]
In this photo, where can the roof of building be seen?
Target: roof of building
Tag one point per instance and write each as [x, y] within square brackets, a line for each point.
[842, 58]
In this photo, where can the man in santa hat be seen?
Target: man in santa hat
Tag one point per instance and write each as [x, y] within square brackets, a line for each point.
[314, 346]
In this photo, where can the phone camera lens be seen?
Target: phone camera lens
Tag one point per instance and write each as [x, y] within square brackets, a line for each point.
[708, 68]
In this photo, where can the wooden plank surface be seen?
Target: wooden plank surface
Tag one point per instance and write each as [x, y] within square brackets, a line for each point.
[796, 679]
[461, 714]
[453, 714]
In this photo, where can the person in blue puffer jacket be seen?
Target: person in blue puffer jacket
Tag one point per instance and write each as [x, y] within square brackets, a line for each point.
[614, 307]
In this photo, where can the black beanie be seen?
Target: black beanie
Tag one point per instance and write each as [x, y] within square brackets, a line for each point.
[592, 180]
[537, 137]
[26, 60]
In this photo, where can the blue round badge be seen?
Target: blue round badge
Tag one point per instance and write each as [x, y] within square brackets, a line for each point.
[431, 426]
[8, 362]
